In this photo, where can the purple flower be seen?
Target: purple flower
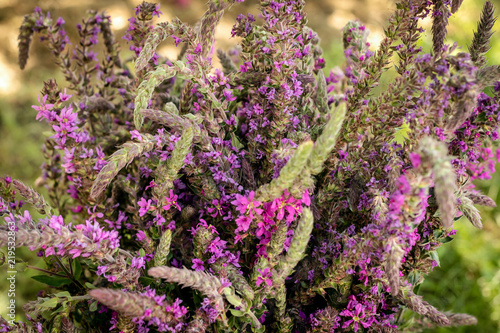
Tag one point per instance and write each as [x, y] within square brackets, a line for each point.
[356, 317]
[245, 203]
[145, 206]
[138, 263]
[44, 110]
[198, 265]
[264, 277]
[140, 236]
[171, 201]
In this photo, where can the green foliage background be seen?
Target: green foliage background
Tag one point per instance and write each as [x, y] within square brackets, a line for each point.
[468, 280]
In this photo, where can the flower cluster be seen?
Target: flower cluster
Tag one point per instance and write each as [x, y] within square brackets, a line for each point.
[264, 195]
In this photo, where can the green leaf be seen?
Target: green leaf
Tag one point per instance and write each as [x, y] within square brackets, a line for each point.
[93, 306]
[237, 313]
[63, 294]
[90, 285]
[146, 281]
[434, 256]
[53, 281]
[51, 303]
[235, 142]
[446, 239]
[77, 268]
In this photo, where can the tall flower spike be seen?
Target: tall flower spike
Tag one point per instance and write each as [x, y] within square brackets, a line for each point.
[205, 283]
[166, 174]
[436, 155]
[455, 5]
[32, 197]
[288, 174]
[461, 319]
[418, 305]
[321, 98]
[392, 265]
[298, 246]
[439, 24]
[480, 43]
[131, 304]
[327, 140]
[226, 62]
[163, 248]
[238, 280]
[120, 159]
[481, 199]
[153, 80]
[155, 37]
[25, 34]
[209, 22]
[471, 212]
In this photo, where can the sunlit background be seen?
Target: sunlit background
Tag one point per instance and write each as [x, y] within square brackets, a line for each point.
[468, 279]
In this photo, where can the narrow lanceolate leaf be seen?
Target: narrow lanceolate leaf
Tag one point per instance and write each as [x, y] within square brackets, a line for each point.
[439, 25]
[326, 141]
[471, 212]
[392, 265]
[298, 246]
[205, 283]
[435, 153]
[418, 305]
[32, 197]
[288, 174]
[481, 42]
[153, 80]
[480, 199]
[155, 37]
[163, 248]
[131, 305]
[120, 159]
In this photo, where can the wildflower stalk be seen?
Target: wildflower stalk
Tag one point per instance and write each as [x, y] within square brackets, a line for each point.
[298, 246]
[167, 173]
[155, 37]
[480, 199]
[439, 24]
[151, 81]
[418, 305]
[470, 212]
[205, 283]
[32, 197]
[120, 159]
[480, 43]
[288, 174]
[393, 264]
[444, 178]
[460, 319]
[163, 249]
[327, 140]
[131, 305]
[238, 281]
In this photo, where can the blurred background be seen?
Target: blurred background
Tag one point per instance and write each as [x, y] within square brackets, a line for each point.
[468, 280]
